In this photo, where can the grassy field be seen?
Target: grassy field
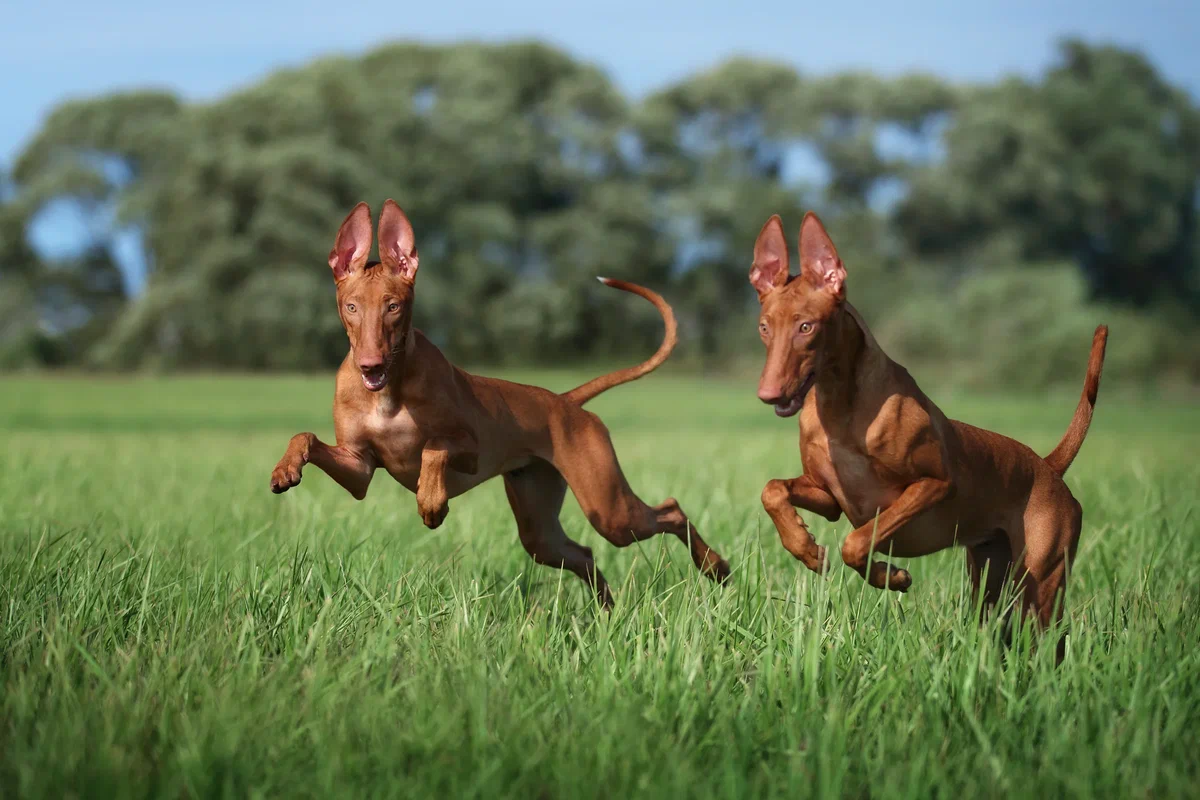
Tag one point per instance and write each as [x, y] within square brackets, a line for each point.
[170, 628]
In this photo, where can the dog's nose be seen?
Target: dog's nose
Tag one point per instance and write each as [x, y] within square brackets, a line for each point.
[770, 394]
[370, 364]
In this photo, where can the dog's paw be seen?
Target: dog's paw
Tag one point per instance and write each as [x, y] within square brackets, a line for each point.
[885, 576]
[433, 502]
[715, 567]
[900, 580]
[433, 515]
[285, 476]
[818, 562]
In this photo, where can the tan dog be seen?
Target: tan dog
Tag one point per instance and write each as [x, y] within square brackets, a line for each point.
[440, 431]
[875, 448]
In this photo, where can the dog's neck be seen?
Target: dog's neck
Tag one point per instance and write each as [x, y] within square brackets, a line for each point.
[850, 353]
[405, 374]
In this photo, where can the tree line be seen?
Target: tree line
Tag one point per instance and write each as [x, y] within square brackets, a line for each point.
[978, 221]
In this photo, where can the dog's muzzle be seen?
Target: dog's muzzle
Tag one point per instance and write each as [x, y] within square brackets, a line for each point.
[790, 406]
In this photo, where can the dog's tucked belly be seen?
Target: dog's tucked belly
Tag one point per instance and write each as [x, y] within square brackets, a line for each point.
[459, 482]
[930, 531]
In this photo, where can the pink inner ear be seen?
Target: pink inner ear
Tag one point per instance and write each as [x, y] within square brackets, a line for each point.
[826, 272]
[819, 261]
[834, 278]
[769, 269]
[393, 251]
[400, 260]
[342, 257]
[768, 273]
[763, 276]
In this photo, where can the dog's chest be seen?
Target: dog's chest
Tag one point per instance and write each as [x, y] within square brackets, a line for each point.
[397, 439]
[850, 475]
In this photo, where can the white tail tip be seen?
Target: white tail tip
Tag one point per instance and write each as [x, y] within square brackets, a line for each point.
[602, 279]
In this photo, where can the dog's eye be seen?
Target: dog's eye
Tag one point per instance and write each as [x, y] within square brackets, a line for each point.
[762, 328]
[394, 307]
[806, 327]
[351, 307]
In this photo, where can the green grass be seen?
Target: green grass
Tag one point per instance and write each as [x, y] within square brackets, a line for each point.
[170, 628]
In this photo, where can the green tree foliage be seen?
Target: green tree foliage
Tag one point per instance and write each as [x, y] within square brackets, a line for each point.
[1099, 163]
[19, 271]
[714, 149]
[526, 173]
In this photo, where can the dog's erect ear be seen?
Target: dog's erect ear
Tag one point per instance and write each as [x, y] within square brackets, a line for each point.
[819, 261]
[770, 268]
[353, 243]
[397, 245]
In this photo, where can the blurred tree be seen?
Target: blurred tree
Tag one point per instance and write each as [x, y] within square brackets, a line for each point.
[526, 173]
[1100, 162]
[868, 131]
[50, 309]
[89, 157]
[714, 149]
[506, 156]
[20, 269]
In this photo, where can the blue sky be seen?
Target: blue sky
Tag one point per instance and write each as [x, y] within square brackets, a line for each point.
[51, 51]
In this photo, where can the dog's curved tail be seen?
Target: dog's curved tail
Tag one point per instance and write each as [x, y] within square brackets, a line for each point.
[581, 394]
[1061, 457]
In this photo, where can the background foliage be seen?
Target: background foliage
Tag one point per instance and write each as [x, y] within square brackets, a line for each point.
[987, 228]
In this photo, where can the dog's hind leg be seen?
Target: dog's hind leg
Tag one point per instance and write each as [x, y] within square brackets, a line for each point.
[1052, 528]
[668, 517]
[536, 494]
[989, 564]
[594, 475]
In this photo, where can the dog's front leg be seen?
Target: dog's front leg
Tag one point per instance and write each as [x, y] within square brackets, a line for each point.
[349, 466]
[459, 452]
[874, 536]
[779, 497]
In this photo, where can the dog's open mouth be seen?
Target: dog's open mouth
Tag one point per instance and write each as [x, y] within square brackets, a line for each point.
[376, 378]
[790, 406]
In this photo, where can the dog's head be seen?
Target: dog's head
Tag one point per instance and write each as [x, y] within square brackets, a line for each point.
[796, 310]
[375, 299]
